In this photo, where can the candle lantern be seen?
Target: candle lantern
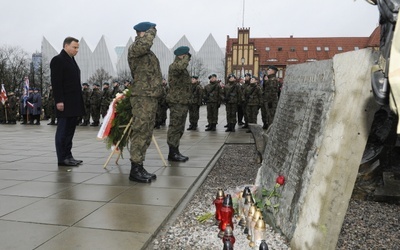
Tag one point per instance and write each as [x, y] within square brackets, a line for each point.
[249, 217]
[248, 201]
[263, 245]
[228, 235]
[218, 204]
[259, 234]
[228, 245]
[227, 212]
[253, 223]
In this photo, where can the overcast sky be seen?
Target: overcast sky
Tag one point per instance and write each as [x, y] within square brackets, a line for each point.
[25, 22]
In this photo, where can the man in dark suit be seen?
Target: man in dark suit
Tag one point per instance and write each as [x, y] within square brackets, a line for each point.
[66, 84]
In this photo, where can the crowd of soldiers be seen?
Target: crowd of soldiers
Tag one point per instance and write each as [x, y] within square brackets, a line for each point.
[242, 97]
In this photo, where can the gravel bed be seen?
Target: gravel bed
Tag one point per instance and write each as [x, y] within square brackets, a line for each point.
[367, 225]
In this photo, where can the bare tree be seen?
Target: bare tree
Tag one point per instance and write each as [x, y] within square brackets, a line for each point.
[197, 68]
[14, 66]
[100, 76]
[124, 75]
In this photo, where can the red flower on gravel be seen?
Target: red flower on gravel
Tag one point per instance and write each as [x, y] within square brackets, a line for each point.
[280, 180]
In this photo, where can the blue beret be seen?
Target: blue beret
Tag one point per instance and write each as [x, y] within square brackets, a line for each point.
[272, 67]
[212, 75]
[181, 50]
[143, 26]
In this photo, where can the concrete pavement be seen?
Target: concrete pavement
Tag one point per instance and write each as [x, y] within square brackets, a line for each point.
[43, 206]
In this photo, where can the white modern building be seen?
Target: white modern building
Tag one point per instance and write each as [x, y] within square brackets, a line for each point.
[209, 59]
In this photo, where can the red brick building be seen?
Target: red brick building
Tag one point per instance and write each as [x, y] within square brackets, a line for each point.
[245, 54]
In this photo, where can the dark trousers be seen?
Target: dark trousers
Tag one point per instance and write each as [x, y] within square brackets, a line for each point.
[64, 135]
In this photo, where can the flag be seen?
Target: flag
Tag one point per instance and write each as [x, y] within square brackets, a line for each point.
[3, 94]
[26, 89]
[30, 104]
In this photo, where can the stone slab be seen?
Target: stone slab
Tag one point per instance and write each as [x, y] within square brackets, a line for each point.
[320, 131]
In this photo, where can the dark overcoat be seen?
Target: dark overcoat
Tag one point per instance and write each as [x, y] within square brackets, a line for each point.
[66, 84]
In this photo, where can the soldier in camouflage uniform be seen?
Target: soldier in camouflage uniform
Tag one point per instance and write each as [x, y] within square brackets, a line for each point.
[164, 106]
[51, 107]
[253, 98]
[178, 101]
[245, 86]
[106, 99]
[161, 114]
[146, 89]
[95, 102]
[12, 108]
[115, 89]
[213, 95]
[195, 103]
[270, 94]
[231, 98]
[240, 107]
[86, 93]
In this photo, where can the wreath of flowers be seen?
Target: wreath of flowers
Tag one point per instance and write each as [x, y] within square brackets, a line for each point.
[118, 116]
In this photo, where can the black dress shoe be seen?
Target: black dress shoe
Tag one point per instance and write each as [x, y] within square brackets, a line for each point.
[75, 160]
[68, 163]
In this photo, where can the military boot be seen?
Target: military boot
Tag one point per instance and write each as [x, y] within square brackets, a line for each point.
[174, 155]
[265, 126]
[209, 127]
[194, 126]
[233, 127]
[228, 128]
[137, 174]
[147, 174]
[190, 127]
[213, 127]
[185, 157]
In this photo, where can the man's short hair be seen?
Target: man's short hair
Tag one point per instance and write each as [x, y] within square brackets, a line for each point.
[69, 40]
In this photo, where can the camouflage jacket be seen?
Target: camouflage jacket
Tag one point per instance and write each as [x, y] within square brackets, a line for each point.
[95, 97]
[270, 89]
[145, 67]
[253, 95]
[232, 92]
[197, 94]
[106, 98]
[179, 81]
[86, 93]
[213, 93]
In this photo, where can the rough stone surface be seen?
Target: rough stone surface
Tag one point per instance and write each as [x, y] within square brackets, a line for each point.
[367, 224]
[324, 116]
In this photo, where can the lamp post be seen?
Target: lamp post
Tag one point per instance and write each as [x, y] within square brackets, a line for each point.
[242, 66]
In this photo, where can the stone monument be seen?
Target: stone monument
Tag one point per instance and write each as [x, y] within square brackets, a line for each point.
[317, 140]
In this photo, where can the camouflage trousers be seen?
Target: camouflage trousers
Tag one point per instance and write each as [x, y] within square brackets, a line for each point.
[161, 115]
[194, 113]
[252, 113]
[95, 113]
[270, 111]
[212, 112]
[177, 119]
[144, 114]
[231, 110]
[86, 117]
[104, 110]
